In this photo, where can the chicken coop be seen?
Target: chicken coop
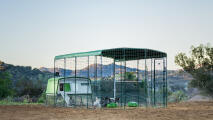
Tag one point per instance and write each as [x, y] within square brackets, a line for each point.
[119, 77]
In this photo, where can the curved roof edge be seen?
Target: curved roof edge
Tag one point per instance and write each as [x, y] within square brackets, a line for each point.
[119, 54]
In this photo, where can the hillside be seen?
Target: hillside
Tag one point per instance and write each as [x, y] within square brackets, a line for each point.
[25, 80]
[177, 80]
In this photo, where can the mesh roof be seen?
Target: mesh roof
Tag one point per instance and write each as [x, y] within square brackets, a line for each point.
[119, 54]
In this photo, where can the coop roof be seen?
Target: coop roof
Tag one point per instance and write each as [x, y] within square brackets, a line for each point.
[119, 54]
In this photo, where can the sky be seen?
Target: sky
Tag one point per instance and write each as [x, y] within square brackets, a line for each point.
[33, 32]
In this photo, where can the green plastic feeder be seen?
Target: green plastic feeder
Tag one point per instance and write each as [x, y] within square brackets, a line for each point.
[112, 105]
[132, 104]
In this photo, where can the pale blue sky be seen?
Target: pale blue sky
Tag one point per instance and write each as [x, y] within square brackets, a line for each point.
[32, 32]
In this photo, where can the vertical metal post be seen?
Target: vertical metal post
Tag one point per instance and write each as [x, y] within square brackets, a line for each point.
[146, 93]
[124, 78]
[101, 76]
[95, 84]
[138, 81]
[96, 71]
[151, 85]
[114, 79]
[88, 81]
[124, 84]
[64, 79]
[121, 84]
[164, 85]
[75, 77]
[54, 85]
[154, 85]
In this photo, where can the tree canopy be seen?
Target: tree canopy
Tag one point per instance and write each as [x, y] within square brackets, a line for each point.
[17, 81]
[130, 76]
[200, 65]
[5, 84]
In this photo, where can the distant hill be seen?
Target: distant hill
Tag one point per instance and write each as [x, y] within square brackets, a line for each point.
[25, 76]
[106, 70]
[177, 80]
[25, 79]
[44, 69]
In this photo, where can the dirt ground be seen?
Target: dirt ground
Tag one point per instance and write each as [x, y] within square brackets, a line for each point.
[179, 111]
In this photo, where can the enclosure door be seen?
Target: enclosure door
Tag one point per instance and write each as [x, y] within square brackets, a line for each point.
[159, 83]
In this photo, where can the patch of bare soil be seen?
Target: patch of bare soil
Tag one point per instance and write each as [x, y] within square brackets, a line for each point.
[180, 111]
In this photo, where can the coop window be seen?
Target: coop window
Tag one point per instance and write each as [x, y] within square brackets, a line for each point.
[84, 84]
[61, 87]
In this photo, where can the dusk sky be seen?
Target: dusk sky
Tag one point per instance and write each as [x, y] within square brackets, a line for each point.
[33, 32]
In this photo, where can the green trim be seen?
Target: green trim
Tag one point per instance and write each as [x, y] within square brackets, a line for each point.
[81, 54]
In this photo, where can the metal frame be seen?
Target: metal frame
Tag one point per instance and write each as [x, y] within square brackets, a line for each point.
[150, 87]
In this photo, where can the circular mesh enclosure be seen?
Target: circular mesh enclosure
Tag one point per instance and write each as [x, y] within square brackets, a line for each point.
[104, 77]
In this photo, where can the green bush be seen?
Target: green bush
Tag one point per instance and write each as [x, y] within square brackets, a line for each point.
[5, 85]
[26, 100]
[200, 65]
[177, 96]
[42, 98]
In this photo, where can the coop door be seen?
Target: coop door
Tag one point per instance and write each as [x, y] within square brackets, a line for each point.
[159, 88]
[65, 87]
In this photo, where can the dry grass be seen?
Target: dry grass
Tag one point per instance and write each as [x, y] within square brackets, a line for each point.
[179, 111]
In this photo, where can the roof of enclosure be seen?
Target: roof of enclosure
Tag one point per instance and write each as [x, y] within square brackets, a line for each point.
[119, 54]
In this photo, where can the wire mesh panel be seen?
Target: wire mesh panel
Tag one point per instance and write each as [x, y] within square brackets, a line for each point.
[123, 76]
[142, 90]
[70, 67]
[134, 91]
[107, 79]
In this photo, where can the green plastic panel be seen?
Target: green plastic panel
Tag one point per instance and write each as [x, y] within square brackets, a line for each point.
[67, 87]
[132, 104]
[50, 85]
[112, 105]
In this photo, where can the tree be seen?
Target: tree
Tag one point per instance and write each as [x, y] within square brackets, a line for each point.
[5, 84]
[199, 65]
[26, 86]
[177, 96]
[130, 76]
[1, 65]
